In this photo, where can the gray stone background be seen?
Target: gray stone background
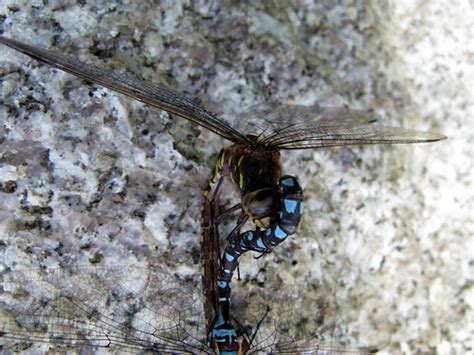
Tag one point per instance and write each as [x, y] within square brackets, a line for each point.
[104, 180]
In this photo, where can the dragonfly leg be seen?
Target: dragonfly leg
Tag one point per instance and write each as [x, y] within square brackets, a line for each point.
[223, 215]
[240, 222]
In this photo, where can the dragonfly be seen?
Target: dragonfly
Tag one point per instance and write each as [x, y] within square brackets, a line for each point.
[271, 200]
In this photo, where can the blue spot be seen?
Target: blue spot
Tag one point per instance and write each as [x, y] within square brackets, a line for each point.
[219, 321]
[223, 283]
[290, 205]
[227, 271]
[301, 207]
[224, 332]
[228, 352]
[268, 232]
[249, 235]
[223, 299]
[229, 257]
[260, 243]
[288, 182]
[279, 233]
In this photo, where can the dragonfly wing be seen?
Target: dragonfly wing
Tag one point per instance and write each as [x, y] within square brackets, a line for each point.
[101, 307]
[155, 95]
[302, 127]
[288, 345]
[137, 310]
[295, 319]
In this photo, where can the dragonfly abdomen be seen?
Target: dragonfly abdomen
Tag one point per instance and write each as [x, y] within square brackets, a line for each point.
[290, 209]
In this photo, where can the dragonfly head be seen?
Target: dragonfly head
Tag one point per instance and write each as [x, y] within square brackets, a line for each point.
[259, 205]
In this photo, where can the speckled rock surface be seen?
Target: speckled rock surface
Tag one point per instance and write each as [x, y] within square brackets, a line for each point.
[89, 177]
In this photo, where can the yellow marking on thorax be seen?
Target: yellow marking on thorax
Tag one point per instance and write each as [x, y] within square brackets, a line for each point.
[220, 161]
[240, 160]
[241, 181]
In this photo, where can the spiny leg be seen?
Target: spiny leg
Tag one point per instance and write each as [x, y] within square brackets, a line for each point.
[223, 215]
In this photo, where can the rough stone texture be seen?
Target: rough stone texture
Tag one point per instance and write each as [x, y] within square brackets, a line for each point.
[91, 177]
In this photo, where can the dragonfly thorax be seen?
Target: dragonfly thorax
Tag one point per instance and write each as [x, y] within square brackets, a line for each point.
[252, 167]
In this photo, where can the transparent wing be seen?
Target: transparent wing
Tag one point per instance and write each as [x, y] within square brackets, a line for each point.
[302, 127]
[155, 95]
[135, 309]
[101, 308]
[278, 125]
[301, 320]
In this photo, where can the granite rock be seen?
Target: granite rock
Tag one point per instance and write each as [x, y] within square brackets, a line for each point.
[90, 177]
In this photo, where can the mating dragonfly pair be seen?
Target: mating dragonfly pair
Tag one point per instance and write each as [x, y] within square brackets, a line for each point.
[273, 201]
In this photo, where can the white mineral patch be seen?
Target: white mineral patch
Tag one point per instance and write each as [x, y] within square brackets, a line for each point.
[155, 221]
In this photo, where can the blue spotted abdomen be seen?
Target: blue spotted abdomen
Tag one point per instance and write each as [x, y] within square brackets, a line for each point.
[288, 215]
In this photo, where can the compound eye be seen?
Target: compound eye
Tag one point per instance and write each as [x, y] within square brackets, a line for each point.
[260, 203]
